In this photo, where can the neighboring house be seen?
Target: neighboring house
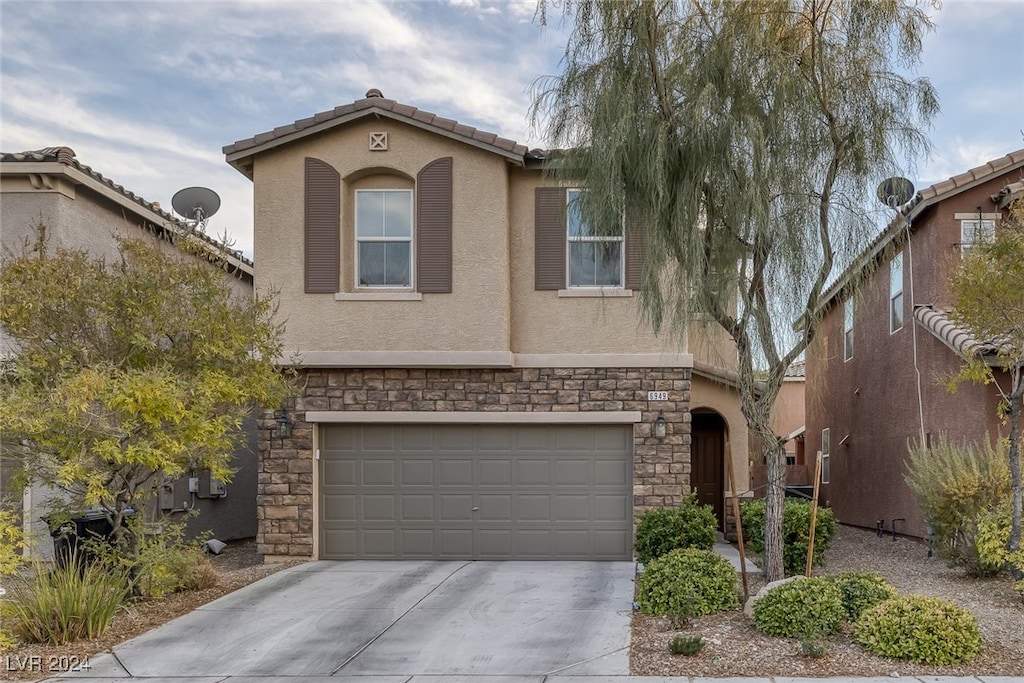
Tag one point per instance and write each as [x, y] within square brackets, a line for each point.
[475, 380]
[81, 209]
[787, 421]
[878, 367]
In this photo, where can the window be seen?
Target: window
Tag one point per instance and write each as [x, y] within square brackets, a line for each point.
[976, 231]
[896, 293]
[383, 238]
[593, 260]
[825, 448]
[848, 329]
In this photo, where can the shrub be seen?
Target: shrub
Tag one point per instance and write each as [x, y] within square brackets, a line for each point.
[803, 608]
[861, 590]
[662, 530]
[688, 646]
[796, 528]
[11, 541]
[954, 484]
[74, 601]
[919, 629]
[166, 563]
[689, 581]
[989, 536]
[814, 648]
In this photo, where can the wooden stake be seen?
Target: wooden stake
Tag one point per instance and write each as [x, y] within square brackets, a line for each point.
[814, 514]
[739, 522]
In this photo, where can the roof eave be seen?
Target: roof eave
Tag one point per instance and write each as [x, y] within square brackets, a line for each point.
[241, 159]
[80, 177]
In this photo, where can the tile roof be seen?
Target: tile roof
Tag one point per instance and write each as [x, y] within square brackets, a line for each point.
[66, 156]
[922, 200]
[949, 333]
[373, 103]
[798, 370]
[1010, 193]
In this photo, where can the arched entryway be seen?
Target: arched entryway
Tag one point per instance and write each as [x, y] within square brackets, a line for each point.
[707, 461]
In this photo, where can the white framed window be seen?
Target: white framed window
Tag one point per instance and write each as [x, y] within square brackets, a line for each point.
[848, 329]
[384, 238]
[976, 231]
[896, 293]
[826, 447]
[591, 260]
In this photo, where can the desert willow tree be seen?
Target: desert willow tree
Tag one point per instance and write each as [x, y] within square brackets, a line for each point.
[744, 138]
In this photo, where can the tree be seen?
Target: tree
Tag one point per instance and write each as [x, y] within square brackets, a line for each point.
[989, 290]
[745, 137]
[132, 372]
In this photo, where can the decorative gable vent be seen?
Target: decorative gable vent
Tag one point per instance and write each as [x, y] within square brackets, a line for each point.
[378, 142]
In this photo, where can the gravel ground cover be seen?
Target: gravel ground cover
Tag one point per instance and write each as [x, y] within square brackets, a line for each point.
[735, 648]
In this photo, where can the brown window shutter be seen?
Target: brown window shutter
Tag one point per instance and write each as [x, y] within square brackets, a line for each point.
[636, 254]
[323, 227]
[434, 227]
[549, 238]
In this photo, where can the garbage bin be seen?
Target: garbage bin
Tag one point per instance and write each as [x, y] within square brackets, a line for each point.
[70, 536]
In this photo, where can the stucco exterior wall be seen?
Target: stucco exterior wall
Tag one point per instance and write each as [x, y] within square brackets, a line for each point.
[473, 317]
[878, 401]
[543, 322]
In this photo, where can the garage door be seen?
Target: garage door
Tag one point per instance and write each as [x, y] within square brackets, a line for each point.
[537, 492]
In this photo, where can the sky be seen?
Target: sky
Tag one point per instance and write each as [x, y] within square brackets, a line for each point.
[148, 93]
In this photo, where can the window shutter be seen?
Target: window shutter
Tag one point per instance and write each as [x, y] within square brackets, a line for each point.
[636, 254]
[549, 238]
[323, 227]
[434, 227]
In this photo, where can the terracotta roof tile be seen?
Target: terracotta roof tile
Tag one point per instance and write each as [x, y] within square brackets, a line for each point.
[66, 156]
[956, 338]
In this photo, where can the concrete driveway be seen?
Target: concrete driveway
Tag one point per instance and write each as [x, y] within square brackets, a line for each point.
[390, 621]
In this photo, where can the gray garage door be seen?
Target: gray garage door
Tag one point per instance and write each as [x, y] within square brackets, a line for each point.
[538, 492]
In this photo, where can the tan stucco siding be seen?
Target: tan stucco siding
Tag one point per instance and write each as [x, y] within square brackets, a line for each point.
[544, 322]
[710, 395]
[473, 317]
[76, 218]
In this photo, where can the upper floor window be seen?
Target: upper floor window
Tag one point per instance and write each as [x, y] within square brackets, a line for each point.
[593, 260]
[976, 231]
[848, 329]
[896, 293]
[383, 238]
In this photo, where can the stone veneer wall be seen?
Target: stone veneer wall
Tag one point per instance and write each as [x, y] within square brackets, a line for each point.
[285, 497]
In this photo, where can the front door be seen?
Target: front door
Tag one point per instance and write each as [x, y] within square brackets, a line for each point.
[707, 459]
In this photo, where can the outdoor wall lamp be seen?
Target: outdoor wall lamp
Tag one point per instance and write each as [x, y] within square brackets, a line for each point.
[660, 425]
[284, 425]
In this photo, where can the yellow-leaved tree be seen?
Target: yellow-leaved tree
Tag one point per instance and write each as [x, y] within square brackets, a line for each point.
[129, 372]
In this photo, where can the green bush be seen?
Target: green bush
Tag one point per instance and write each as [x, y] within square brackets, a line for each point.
[861, 590]
[919, 629]
[165, 562]
[72, 602]
[662, 530]
[954, 484]
[687, 581]
[989, 536]
[803, 608]
[796, 528]
[688, 646]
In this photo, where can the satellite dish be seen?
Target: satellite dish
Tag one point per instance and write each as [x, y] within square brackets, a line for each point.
[894, 192]
[196, 204]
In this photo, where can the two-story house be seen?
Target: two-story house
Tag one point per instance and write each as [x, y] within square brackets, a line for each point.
[474, 379]
[878, 368]
[81, 209]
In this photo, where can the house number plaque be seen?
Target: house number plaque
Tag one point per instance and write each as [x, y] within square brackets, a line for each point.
[657, 395]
